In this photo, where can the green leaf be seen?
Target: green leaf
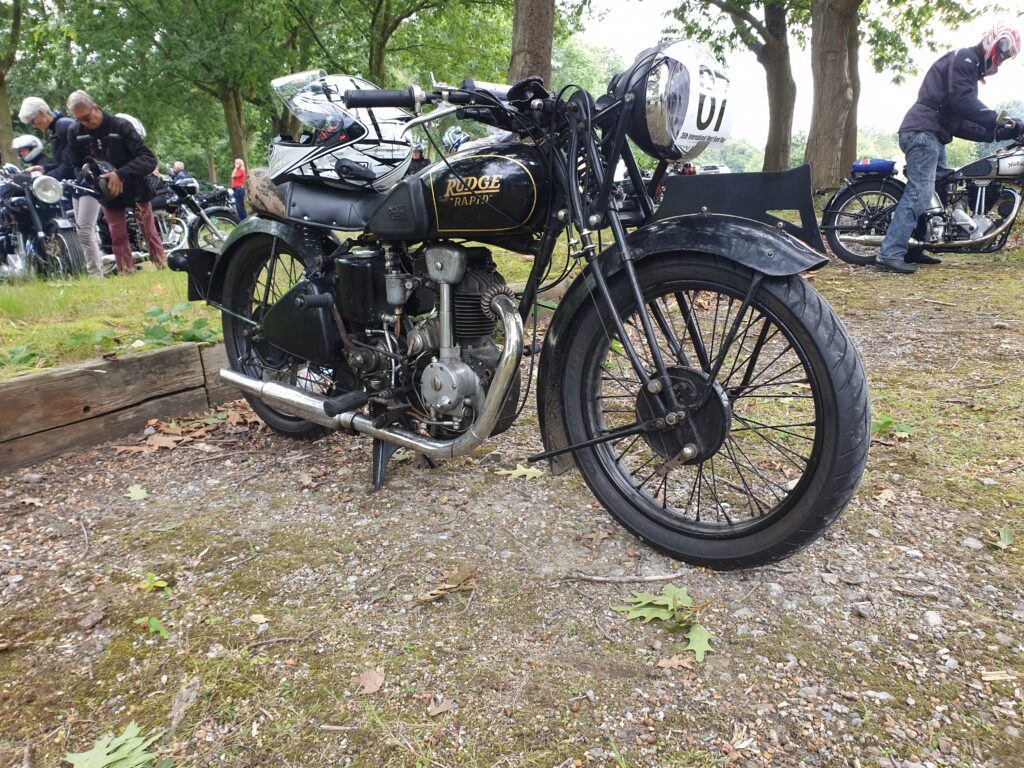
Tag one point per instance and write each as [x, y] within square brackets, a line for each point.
[180, 309]
[699, 638]
[678, 595]
[1006, 537]
[154, 311]
[521, 472]
[125, 751]
[646, 612]
[137, 492]
[156, 627]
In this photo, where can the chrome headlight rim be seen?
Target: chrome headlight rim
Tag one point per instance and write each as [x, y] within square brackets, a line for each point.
[47, 189]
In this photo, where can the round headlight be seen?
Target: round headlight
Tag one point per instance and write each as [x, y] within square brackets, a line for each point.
[683, 100]
[189, 185]
[47, 189]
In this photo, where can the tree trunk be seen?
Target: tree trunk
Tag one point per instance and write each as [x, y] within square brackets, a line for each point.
[377, 47]
[238, 136]
[533, 28]
[849, 153]
[774, 57]
[211, 165]
[7, 155]
[832, 23]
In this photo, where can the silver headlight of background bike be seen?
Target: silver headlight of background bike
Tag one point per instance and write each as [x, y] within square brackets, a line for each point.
[47, 189]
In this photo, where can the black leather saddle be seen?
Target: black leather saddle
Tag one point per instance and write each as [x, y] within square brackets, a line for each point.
[328, 207]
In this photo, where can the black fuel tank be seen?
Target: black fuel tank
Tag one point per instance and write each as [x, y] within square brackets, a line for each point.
[495, 188]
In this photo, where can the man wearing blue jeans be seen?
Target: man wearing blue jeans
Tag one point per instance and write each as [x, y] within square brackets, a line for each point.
[947, 105]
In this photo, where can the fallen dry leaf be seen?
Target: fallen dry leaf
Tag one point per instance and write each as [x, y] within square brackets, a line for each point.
[258, 618]
[163, 441]
[130, 449]
[370, 681]
[31, 501]
[593, 540]
[437, 708]
[461, 579]
[885, 497]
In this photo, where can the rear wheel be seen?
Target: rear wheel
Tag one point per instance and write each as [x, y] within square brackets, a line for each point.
[261, 271]
[779, 443]
[202, 235]
[864, 210]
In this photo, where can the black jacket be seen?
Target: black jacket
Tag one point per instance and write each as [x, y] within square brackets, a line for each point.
[62, 133]
[117, 142]
[947, 104]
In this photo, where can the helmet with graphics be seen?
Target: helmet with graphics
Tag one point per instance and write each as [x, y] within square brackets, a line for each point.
[330, 133]
[454, 138]
[1000, 42]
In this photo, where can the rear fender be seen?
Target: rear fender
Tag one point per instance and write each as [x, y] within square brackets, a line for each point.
[207, 269]
[753, 244]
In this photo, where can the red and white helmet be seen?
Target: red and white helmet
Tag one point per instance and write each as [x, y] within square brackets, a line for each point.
[1000, 43]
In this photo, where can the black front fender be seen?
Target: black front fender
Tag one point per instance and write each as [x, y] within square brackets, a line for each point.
[206, 269]
[754, 245]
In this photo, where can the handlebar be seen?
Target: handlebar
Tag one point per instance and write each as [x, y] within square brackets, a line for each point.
[405, 97]
[411, 97]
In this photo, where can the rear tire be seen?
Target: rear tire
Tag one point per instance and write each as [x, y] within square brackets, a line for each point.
[865, 208]
[783, 437]
[261, 271]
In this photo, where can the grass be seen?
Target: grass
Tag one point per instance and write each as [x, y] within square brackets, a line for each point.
[49, 324]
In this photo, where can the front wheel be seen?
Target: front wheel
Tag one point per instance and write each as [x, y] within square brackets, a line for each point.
[63, 256]
[763, 454]
[211, 236]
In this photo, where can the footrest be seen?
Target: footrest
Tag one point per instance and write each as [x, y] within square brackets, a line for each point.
[346, 402]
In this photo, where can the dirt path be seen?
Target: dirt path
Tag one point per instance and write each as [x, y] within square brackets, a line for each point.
[894, 641]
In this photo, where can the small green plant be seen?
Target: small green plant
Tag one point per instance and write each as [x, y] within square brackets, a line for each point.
[676, 610]
[171, 325]
[129, 750]
[1005, 537]
[21, 355]
[152, 623]
[151, 582]
[885, 424]
[616, 349]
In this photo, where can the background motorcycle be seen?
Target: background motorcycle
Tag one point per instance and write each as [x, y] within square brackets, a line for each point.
[972, 211]
[36, 238]
[710, 398]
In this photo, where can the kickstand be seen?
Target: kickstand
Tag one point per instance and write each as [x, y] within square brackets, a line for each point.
[382, 452]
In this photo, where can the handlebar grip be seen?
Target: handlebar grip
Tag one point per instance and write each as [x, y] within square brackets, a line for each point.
[495, 89]
[405, 97]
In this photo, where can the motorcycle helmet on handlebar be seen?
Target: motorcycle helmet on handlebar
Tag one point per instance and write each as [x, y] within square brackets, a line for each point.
[454, 138]
[333, 136]
[30, 143]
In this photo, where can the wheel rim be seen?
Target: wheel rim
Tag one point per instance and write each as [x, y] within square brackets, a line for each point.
[269, 280]
[868, 212]
[208, 238]
[56, 257]
[765, 407]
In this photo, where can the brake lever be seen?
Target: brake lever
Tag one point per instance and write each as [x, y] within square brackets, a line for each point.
[441, 111]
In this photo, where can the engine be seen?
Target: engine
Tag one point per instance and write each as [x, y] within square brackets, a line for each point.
[461, 351]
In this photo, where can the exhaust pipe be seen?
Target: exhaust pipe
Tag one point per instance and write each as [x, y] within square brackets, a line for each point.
[306, 405]
[1007, 222]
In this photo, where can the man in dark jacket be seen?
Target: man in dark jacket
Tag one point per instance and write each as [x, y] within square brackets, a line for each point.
[112, 148]
[947, 105]
[418, 162]
[62, 132]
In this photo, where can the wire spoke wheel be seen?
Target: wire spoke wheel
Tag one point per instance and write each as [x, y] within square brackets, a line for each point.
[863, 210]
[756, 431]
[258, 276]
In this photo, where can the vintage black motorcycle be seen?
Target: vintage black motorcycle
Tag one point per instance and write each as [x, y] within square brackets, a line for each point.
[711, 399]
[972, 211]
[36, 237]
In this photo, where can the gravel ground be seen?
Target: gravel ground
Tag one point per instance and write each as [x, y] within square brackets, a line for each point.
[295, 636]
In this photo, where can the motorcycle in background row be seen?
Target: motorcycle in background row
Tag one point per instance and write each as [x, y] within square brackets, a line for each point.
[972, 210]
[37, 237]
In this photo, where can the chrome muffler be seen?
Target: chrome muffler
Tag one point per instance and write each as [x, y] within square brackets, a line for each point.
[1007, 223]
[307, 405]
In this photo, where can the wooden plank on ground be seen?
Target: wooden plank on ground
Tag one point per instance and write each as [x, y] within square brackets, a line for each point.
[44, 401]
[214, 358]
[29, 449]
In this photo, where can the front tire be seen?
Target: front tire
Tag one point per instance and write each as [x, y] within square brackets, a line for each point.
[782, 437]
[200, 235]
[261, 271]
[64, 257]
